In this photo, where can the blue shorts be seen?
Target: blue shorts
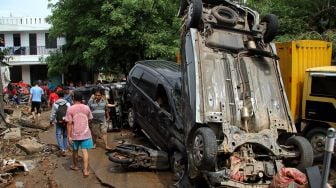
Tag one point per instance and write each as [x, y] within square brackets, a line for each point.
[84, 144]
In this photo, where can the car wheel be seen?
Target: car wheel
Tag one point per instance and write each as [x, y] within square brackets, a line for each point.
[120, 157]
[272, 26]
[317, 138]
[305, 150]
[178, 166]
[204, 149]
[194, 14]
[131, 118]
[225, 14]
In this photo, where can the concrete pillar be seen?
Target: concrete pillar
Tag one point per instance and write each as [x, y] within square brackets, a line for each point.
[26, 74]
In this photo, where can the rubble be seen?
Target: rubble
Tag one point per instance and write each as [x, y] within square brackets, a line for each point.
[12, 133]
[30, 146]
[25, 122]
[6, 179]
[8, 168]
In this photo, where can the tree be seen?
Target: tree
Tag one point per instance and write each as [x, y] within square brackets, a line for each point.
[302, 19]
[110, 35]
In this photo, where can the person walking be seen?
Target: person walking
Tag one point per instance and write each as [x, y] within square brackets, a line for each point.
[57, 116]
[35, 98]
[98, 106]
[53, 97]
[79, 134]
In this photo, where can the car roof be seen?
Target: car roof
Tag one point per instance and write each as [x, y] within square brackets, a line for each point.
[171, 71]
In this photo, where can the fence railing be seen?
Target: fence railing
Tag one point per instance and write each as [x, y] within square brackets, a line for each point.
[29, 50]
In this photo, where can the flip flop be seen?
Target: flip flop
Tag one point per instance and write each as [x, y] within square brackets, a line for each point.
[75, 168]
[86, 174]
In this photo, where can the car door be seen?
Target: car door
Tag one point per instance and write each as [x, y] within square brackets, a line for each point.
[163, 118]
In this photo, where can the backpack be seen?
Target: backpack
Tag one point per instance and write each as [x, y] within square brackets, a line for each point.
[61, 112]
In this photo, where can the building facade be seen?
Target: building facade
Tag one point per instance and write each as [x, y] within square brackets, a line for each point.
[27, 43]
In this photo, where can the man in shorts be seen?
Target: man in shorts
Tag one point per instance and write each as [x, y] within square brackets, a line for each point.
[79, 134]
[35, 98]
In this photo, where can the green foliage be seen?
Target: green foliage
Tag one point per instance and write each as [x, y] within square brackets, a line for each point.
[111, 35]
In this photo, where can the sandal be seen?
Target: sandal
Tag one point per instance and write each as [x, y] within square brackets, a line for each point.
[75, 168]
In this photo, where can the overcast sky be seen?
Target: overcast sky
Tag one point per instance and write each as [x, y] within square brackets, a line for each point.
[16, 8]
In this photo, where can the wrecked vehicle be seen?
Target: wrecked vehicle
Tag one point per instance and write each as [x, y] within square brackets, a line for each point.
[153, 95]
[136, 156]
[236, 119]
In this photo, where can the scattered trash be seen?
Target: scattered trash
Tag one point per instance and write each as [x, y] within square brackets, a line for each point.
[289, 176]
[5, 179]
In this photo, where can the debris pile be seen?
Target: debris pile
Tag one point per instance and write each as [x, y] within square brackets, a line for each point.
[20, 147]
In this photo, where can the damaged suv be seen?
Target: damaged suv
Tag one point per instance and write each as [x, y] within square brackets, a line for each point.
[237, 124]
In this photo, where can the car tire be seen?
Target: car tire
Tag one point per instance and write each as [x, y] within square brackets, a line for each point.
[178, 165]
[194, 14]
[272, 25]
[225, 15]
[120, 158]
[204, 149]
[303, 146]
[317, 138]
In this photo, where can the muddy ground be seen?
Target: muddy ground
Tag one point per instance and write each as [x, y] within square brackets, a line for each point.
[48, 169]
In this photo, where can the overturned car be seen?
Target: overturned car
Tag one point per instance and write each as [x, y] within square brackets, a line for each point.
[237, 125]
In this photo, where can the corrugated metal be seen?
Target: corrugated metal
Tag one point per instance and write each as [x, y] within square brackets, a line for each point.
[295, 58]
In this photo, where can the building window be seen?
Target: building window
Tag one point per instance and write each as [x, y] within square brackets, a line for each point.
[2, 40]
[17, 45]
[16, 39]
[50, 42]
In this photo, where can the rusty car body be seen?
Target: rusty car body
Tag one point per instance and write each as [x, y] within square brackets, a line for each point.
[237, 123]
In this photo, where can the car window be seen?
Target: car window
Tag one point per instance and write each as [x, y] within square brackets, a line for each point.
[148, 84]
[136, 74]
[162, 99]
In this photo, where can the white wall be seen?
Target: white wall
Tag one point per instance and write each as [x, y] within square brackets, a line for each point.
[60, 41]
[24, 39]
[40, 38]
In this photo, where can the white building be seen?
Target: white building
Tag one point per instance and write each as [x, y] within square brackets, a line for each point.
[28, 43]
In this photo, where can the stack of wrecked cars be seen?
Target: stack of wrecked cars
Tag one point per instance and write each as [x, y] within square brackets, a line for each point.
[223, 115]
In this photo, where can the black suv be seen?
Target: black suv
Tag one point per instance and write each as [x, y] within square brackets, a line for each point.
[153, 93]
